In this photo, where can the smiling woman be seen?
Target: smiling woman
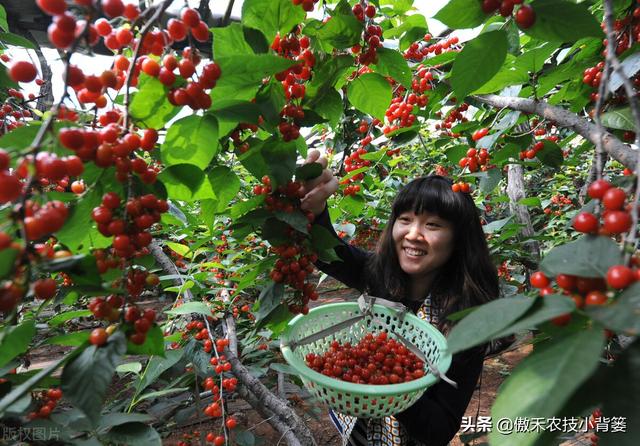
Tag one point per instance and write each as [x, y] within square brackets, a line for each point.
[433, 258]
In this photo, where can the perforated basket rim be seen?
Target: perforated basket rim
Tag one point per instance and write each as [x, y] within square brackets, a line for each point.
[374, 390]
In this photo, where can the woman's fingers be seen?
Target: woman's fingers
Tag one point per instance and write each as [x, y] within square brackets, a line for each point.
[315, 201]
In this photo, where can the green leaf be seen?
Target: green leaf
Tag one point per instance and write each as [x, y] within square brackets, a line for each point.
[353, 204]
[191, 140]
[459, 14]
[7, 261]
[533, 59]
[563, 21]
[411, 29]
[79, 232]
[225, 184]
[551, 155]
[20, 138]
[268, 301]
[182, 181]
[242, 75]
[157, 366]
[551, 306]
[74, 339]
[478, 62]
[271, 16]
[15, 340]
[589, 256]
[329, 105]
[371, 94]
[544, 381]
[3, 19]
[232, 110]
[150, 106]
[340, 31]
[14, 39]
[297, 220]
[308, 171]
[134, 434]
[117, 418]
[391, 63]
[41, 375]
[490, 180]
[245, 438]
[82, 269]
[280, 157]
[230, 41]
[130, 367]
[66, 316]
[487, 321]
[327, 74]
[164, 392]
[191, 308]
[621, 118]
[152, 345]
[622, 314]
[86, 378]
[530, 202]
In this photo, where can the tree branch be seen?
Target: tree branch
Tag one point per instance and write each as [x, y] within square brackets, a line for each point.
[564, 118]
[290, 425]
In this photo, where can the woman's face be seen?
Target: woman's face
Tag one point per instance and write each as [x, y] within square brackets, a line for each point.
[423, 242]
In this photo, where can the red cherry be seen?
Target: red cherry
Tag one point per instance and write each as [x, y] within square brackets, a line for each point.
[98, 337]
[539, 280]
[620, 276]
[617, 222]
[52, 7]
[598, 188]
[45, 288]
[525, 17]
[190, 17]
[585, 222]
[112, 8]
[614, 198]
[595, 298]
[23, 71]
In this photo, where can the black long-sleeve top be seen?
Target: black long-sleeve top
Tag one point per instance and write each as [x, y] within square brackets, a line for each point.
[436, 417]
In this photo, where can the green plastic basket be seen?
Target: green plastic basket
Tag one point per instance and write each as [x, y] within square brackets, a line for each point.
[363, 400]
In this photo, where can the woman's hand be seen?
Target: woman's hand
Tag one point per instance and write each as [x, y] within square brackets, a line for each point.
[319, 189]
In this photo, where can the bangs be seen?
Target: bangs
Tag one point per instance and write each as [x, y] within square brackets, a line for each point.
[431, 194]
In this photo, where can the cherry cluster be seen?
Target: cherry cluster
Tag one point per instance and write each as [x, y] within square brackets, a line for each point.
[241, 133]
[475, 159]
[293, 79]
[14, 111]
[558, 203]
[423, 81]
[47, 401]
[418, 51]
[307, 5]
[10, 184]
[372, 34]
[376, 359]
[533, 151]
[627, 31]
[455, 114]
[586, 291]
[525, 16]
[355, 162]
[193, 94]
[616, 217]
[296, 259]
[400, 113]
[128, 224]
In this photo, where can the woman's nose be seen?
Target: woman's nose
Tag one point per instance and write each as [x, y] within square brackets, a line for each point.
[414, 232]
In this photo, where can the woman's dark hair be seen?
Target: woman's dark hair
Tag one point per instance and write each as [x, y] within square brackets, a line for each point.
[468, 278]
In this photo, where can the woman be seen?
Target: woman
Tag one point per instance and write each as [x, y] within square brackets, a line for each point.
[432, 257]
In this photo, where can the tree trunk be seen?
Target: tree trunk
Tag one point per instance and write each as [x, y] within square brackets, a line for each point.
[516, 192]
